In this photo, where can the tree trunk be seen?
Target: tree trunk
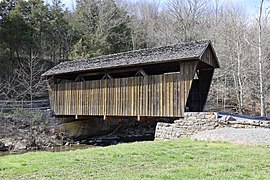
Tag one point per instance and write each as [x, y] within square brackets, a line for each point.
[261, 75]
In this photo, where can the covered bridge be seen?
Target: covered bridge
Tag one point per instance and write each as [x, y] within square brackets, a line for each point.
[158, 82]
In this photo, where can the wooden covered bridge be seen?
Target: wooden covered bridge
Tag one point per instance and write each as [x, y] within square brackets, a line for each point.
[159, 82]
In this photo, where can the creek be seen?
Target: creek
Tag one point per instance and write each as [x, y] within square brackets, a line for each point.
[49, 149]
[87, 143]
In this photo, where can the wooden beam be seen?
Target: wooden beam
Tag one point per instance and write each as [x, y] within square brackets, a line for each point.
[57, 80]
[111, 71]
[141, 71]
[92, 73]
[107, 75]
[78, 78]
[196, 76]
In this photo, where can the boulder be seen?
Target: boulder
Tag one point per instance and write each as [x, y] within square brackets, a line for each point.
[58, 142]
[3, 147]
[20, 145]
[230, 118]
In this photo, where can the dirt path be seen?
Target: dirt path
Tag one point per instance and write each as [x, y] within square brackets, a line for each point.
[258, 136]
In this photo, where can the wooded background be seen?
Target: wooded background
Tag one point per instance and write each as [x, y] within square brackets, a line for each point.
[34, 36]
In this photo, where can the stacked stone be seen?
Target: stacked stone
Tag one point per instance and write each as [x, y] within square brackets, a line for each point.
[229, 121]
[170, 131]
[191, 123]
[198, 121]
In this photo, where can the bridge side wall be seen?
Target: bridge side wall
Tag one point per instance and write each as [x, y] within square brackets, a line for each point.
[155, 96]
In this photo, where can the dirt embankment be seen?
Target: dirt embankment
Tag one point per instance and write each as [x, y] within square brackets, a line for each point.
[34, 131]
[23, 131]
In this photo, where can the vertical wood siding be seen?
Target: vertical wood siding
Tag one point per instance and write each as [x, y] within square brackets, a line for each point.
[157, 95]
[209, 58]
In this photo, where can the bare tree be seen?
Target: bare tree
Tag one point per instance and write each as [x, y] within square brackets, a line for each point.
[188, 17]
[144, 23]
[233, 84]
[261, 61]
[28, 79]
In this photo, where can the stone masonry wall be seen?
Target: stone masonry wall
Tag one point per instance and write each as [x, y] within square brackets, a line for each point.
[191, 123]
[194, 122]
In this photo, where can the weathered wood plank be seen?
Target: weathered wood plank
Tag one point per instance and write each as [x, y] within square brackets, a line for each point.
[160, 95]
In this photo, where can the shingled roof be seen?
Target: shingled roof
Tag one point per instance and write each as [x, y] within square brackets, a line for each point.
[182, 51]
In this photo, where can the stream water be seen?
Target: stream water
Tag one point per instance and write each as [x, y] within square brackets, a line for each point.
[88, 143]
[93, 142]
[50, 149]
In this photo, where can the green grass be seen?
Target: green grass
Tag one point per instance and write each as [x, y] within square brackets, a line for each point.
[181, 159]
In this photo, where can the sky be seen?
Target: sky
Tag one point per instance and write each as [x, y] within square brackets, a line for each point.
[68, 3]
[251, 6]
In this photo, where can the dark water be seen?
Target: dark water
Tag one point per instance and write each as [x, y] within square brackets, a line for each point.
[107, 141]
[4, 153]
[89, 143]
[68, 148]
[50, 149]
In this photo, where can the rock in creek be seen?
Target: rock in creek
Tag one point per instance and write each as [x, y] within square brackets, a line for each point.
[20, 145]
[3, 147]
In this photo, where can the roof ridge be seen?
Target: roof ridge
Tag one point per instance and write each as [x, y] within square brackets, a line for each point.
[138, 50]
[183, 50]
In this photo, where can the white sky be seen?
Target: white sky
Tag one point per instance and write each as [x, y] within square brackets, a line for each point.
[251, 6]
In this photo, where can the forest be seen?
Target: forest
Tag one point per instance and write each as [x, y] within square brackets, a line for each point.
[34, 36]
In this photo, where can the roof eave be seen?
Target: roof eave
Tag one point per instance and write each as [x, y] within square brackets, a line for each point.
[46, 74]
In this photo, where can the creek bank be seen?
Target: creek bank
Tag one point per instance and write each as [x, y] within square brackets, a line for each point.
[30, 131]
[88, 127]
[108, 140]
[3, 147]
[40, 131]
[126, 130]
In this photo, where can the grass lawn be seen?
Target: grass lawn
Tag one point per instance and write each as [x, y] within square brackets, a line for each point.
[180, 159]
